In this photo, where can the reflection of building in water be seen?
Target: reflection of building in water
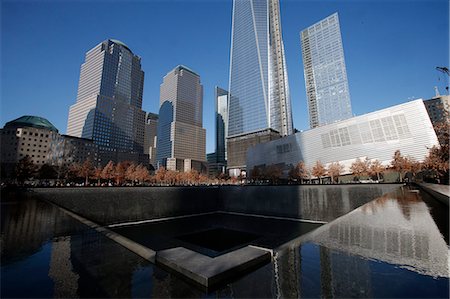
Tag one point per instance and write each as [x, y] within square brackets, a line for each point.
[396, 229]
[345, 271]
[27, 224]
[328, 203]
[289, 264]
[66, 281]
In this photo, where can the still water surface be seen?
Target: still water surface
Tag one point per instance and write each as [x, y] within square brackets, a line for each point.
[394, 246]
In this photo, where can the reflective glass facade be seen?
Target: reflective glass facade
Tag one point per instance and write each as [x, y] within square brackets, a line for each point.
[259, 97]
[221, 96]
[325, 72]
[108, 108]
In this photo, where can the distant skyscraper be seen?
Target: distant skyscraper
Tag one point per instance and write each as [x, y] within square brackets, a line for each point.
[259, 91]
[325, 72]
[221, 97]
[181, 139]
[150, 137]
[108, 108]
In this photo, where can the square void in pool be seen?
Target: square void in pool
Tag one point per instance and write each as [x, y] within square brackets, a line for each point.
[218, 239]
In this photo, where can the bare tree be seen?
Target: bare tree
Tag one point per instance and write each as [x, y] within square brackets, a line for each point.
[319, 171]
[273, 173]
[256, 173]
[25, 169]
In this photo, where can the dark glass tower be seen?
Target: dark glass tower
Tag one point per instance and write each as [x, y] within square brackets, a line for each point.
[108, 108]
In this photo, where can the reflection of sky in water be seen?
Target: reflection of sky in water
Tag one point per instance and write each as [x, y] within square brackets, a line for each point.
[28, 276]
[142, 282]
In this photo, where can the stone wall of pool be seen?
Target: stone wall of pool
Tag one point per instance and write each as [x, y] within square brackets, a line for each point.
[112, 205]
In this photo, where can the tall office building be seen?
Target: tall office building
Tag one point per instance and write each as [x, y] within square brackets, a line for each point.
[221, 97]
[259, 106]
[150, 137]
[217, 161]
[109, 101]
[181, 139]
[325, 72]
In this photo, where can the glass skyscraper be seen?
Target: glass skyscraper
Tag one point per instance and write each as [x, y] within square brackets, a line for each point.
[325, 72]
[259, 91]
[181, 138]
[108, 107]
[259, 101]
[221, 96]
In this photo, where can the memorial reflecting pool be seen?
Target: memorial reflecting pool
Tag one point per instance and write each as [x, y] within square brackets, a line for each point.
[393, 246]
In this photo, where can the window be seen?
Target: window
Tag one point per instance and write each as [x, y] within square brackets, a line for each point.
[326, 143]
[377, 130]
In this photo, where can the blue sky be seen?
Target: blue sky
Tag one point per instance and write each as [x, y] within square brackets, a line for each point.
[391, 49]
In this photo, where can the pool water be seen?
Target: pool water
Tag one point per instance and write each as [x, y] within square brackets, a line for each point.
[394, 246]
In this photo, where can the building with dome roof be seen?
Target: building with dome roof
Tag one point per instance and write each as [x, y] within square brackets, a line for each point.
[27, 136]
[37, 138]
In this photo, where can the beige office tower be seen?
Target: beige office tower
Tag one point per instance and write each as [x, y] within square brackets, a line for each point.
[109, 101]
[181, 138]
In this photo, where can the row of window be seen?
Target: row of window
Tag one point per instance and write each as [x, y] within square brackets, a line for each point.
[377, 130]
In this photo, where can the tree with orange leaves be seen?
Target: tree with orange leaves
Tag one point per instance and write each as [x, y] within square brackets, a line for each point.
[142, 174]
[319, 171]
[360, 167]
[108, 171]
[120, 171]
[299, 172]
[376, 168]
[438, 156]
[335, 170]
[401, 164]
[86, 170]
[160, 175]
[97, 174]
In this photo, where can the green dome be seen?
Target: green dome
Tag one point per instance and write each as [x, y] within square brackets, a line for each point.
[32, 121]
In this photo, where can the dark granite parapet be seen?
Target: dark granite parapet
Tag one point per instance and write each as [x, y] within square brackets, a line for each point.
[111, 205]
[127, 204]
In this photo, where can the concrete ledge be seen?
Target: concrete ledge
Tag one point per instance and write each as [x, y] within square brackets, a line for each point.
[440, 192]
[208, 272]
[137, 248]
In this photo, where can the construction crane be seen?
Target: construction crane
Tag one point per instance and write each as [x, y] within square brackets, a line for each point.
[444, 70]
